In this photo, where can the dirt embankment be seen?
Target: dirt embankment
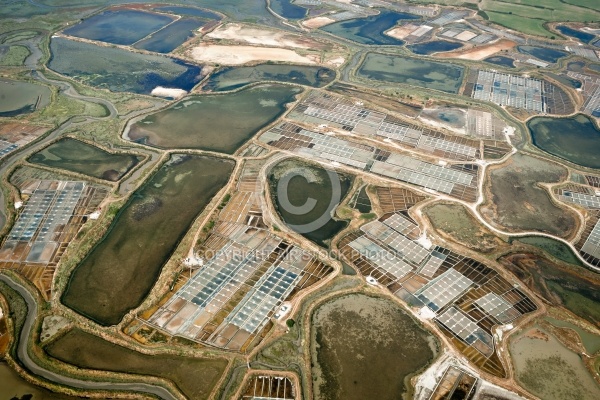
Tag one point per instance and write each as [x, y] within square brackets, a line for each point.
[479, 52]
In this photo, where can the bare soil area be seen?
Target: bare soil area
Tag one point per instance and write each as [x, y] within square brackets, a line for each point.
[479, 52]
[317, 22]
[238, 55]
[265, 37]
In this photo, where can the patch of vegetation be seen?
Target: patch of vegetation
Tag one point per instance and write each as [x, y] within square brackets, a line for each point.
[63, 108]
[209, 226]
[456, 222]
[15, 56]
[17, 307]
[571, 287]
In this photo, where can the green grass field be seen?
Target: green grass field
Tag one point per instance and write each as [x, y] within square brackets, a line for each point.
[529, 16]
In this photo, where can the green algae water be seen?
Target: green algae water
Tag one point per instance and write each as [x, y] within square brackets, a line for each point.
[122, 268]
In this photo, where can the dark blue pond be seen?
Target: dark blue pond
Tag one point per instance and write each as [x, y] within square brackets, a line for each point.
[189, 11]
[434, 46]
[171, 37]
[594, 67]
[501, 61]
[566, 80]
[231, 78]
[286, 9]
[577, 34]
[120, 70]
[370, 30]
[119, 27]
[548, 55]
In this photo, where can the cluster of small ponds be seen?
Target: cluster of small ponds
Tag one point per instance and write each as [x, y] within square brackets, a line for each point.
[146, 231]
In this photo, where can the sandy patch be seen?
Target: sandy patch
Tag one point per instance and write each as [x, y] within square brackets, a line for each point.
[263, 37]
[465, 36]
[168, 92]
[317, 22]
[336, 62]
[438, 124]
[402, 31]
[479, 52]
[238, 55]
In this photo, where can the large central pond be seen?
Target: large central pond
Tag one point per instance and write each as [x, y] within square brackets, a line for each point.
[121, 269]
[119, 26]
[230, 78]
[446, 77]
[219, 123]
[120, 70]
[365, 347]
[74, 155]
[575, 139]
[294, 183]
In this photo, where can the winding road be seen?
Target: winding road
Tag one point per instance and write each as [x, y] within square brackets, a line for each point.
[29, 363]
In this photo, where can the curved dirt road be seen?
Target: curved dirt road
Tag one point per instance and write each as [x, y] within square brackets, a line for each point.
[24, 357]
